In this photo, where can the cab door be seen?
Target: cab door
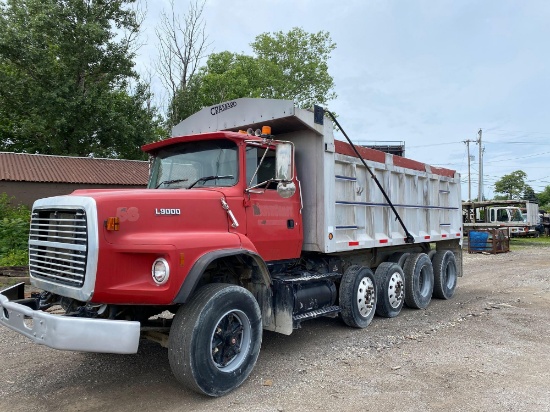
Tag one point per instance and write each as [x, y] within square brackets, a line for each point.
[273, 224]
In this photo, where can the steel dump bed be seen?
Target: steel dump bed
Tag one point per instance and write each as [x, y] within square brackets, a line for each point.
[343, 209]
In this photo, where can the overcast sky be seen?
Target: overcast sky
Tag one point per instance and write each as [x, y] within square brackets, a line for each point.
[429, 73]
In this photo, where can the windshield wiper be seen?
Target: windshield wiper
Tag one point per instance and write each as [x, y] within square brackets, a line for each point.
[168, 182]
[207, 178]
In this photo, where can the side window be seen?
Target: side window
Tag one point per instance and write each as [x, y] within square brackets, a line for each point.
[266, 171]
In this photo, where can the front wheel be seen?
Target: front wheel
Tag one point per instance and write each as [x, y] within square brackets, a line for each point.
[215, 339]
[357, 296]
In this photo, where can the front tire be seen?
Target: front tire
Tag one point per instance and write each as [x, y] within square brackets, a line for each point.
[357, 296]
[215, 339]
[419, 281]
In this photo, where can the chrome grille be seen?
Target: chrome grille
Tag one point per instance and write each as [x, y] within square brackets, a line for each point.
[58, 246]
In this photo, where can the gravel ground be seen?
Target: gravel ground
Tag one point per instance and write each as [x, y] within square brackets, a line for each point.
[487, 349]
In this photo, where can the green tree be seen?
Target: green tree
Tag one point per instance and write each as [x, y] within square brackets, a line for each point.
[544, 198]
[512, 185]
[291, 65]
[301, 60]
[529, 193]
[66, 68]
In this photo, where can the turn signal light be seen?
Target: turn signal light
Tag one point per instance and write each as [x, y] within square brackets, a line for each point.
[112, 224]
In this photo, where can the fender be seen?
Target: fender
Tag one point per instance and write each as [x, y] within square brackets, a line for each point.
[194, 275]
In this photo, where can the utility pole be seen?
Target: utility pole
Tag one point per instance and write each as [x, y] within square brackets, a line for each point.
[469, 175]
[480, 184]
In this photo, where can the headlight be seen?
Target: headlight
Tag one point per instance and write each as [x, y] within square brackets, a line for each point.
[160, 271]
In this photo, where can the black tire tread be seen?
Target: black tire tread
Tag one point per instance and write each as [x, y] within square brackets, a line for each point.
[186, 321]
[400, 258]
[347, 297]
[381, 275]
[440, 260]
[412, 294]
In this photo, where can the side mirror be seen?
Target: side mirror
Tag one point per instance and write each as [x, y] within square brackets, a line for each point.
[286, 189]
[284, 162]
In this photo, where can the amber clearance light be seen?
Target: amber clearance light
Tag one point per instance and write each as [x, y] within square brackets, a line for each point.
[112, 224]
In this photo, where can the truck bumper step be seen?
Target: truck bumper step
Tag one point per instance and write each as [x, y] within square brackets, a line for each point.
[331, 310]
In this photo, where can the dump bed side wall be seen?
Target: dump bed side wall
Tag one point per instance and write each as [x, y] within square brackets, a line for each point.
[344, 210]
[428, 203]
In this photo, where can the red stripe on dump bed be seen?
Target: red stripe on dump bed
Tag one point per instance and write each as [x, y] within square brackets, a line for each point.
[353, 243]
[426, 237]
[379, 156]
[368, 154]
[383, 240]
[409, 163]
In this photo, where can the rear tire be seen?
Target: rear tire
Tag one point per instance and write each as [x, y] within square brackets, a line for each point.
[215, 339]
[390, 282]
[400, 258]
[357, 296]
[445, 274]
[419, 281]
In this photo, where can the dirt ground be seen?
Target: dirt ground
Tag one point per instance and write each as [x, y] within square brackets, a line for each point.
[486, 349]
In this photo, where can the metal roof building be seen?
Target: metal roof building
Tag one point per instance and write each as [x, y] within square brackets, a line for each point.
[28, 177]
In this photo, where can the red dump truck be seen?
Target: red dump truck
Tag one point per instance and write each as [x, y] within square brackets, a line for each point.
[239, 232]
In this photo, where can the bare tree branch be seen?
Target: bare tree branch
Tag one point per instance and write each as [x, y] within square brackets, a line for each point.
[182, 44]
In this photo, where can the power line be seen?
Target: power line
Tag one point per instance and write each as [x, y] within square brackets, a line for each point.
[502, 131]
[525, 142]
[517, 158]
[433, 144]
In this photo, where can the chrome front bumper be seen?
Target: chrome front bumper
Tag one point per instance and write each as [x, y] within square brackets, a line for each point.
[70, 333]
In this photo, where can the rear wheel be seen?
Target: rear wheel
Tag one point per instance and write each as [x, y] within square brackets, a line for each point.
[390, 282]
[399, 258]
[357, 296]
[445, 274]
[419, 281]
[215, 339]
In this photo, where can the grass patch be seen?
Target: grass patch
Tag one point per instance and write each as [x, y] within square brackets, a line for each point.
[521, 242]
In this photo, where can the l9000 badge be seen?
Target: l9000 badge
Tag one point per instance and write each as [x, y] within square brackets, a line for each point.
[165, 212]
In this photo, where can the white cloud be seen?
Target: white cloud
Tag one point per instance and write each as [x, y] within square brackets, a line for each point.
[426, 72]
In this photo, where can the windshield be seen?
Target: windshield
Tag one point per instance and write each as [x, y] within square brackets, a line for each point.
[195, 164]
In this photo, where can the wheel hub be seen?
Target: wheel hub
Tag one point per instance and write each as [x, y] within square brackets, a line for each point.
[396, 289]
[230, 340]
[365, 296]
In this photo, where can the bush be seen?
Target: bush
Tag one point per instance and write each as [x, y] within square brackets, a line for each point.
[14, 232]
[14, 258]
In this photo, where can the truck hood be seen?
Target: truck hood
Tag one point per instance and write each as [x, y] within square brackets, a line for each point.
[152, 215]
